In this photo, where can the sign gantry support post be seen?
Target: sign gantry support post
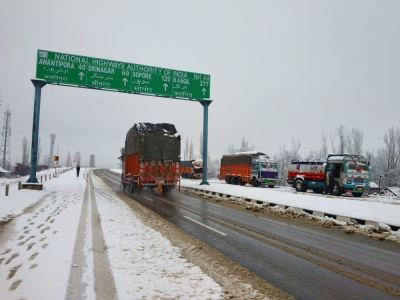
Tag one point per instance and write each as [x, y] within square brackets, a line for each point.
[206, 104]
[38, 84]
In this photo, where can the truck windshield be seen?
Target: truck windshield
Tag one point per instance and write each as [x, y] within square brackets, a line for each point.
[268, 165]
[356, 167]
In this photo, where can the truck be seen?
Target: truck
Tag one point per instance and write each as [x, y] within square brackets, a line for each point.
[351, 174]
[151, 157]
[191, 169]
[253, 167]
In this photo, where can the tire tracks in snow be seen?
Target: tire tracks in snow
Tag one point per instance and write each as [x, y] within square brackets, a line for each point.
[90, 222]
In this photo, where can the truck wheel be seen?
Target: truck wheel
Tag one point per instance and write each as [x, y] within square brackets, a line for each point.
[167, 189]
[234, 180]
[240, 182]
[227, 179]
[336, 189]
[298, 185]
[254, 182]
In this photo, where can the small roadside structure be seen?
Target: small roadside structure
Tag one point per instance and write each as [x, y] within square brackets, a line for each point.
[373, 188]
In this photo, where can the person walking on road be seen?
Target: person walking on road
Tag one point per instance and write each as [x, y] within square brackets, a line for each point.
[77, 170]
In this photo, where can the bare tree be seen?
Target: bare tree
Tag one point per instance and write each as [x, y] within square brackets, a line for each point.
[332, 138]
[201, 144]
[68, 161]
[358, 139]
[191, 150]
[283, 159]
[78, 157]
[25, 151]
[39, 151]
[295, 151]
[392, 143]
[186, 151]
[341, 132]
[349, 143]
[245, 146]
[45, 159]
[231, 149]
[324, 148]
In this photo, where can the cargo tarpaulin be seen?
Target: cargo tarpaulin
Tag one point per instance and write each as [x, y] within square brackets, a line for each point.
[153, 141]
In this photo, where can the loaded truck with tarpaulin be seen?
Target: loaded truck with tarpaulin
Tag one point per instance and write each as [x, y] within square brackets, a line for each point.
[253, 167]
[191, 169]
[351, 175]
[151, 157]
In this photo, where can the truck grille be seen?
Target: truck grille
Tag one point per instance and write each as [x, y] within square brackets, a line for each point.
[359, 180]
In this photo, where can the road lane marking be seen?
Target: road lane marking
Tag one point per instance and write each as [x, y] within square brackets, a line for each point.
[147, 198]
[217, 231]
[165, 200]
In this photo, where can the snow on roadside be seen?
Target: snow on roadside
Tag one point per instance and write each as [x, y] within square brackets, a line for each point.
[144, 263]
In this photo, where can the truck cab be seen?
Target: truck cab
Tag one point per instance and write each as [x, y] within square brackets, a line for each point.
[351, 174]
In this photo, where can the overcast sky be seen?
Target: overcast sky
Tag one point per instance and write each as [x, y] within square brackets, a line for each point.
[279, 69]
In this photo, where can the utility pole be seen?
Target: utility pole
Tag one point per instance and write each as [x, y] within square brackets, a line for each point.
[5, 141]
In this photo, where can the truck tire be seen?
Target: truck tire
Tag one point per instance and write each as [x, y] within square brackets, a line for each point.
[254, 182]
[299, 185]
[227, 179]
[336, 189]
[240, 182]
[167, 189]
[234, 180]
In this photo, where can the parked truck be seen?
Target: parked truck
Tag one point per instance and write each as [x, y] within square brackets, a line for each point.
[253, 167]
[151, 157]
[351, 175]
[191, 169]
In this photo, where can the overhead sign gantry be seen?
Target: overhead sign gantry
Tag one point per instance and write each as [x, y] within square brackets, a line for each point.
[109, 75]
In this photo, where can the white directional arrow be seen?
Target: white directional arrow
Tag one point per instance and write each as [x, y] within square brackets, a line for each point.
[124, 80]
[81, 75]
[204, 91]
[165, 86]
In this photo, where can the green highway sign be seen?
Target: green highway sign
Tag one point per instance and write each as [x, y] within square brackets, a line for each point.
[107, 74]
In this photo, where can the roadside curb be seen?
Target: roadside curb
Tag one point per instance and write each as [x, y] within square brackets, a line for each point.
[299, 209]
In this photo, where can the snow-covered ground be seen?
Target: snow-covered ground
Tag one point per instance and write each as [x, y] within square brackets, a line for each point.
[36, 257]
[372, 208]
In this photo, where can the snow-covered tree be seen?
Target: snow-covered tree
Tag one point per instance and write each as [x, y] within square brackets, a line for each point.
[191, 150]
[201, 144]
[68, 160]
[25, 152]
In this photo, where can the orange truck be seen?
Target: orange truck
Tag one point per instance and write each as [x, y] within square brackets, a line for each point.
[253, 167]
[191, 169]
[151, 157]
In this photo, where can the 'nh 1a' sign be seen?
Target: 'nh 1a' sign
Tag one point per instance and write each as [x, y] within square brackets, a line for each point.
[106, 74]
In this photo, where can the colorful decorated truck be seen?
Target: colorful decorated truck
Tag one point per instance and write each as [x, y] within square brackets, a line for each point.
[253, 167]
[191, 169]
[151, 157]
[351, 175]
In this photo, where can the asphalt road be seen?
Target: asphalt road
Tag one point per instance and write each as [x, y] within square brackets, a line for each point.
[302, 259]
